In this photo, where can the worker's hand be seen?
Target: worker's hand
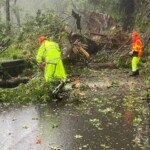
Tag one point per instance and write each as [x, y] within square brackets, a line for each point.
[131, 53]
[140, 54]
[42, 65]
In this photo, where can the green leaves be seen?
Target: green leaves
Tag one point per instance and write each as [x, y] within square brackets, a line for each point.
[78, 136]
[137, 121]
[35, 91]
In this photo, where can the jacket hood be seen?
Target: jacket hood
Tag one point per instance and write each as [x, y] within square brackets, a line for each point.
[136, 38]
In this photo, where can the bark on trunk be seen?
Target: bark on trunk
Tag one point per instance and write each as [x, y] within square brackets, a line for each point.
[127, 9]
[7, 16]
[16, 13]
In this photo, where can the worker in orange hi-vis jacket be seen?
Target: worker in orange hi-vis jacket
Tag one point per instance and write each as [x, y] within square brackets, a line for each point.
[136, 53]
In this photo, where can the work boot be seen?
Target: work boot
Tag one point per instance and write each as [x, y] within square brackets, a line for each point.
[134, 73]
[137, 72]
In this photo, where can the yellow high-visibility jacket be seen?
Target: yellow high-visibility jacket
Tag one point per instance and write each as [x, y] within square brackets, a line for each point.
[49, 53]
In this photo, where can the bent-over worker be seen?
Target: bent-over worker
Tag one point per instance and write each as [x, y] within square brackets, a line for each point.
[49, 58]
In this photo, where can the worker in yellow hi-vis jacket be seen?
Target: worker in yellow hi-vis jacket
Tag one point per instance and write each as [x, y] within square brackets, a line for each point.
[49, 58]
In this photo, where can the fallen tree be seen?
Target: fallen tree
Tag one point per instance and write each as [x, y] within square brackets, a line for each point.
[13, 82]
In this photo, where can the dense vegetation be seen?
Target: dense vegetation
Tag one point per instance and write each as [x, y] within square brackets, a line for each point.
[129, 15]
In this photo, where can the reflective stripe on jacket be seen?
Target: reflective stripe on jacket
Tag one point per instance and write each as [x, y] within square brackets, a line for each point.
[48, 52]
[137, 46]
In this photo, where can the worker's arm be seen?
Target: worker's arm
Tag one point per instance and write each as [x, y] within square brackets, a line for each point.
[40, 57]
[57, 47]
[139, 48]
[40, 54]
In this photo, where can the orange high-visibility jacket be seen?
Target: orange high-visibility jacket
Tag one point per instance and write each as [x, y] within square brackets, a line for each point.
[137, 46]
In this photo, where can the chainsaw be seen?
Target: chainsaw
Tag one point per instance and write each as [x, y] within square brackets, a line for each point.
[60, 86]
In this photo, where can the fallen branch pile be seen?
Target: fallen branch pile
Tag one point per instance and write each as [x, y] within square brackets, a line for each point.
[110, 41]
[79, 47]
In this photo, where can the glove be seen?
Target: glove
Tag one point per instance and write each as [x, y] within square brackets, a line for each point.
[131, 53]
[42, 65]
[140, 54]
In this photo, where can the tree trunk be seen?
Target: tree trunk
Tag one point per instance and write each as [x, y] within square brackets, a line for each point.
[7, 16]
[127, 9]
[16, 12]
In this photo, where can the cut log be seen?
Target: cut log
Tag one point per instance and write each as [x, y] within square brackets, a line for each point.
[84, 52]
[13, 82]
[13, 67]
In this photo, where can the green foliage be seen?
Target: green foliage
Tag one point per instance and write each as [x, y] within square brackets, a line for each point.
[142, 22]
[25, 45]
[25, 40]
[142, 19]
[11, 54]
[123, 61]
[36, 91]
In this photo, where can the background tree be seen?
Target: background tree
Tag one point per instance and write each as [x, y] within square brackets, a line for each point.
[127, 8]
[8, 27]
[16, 12]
